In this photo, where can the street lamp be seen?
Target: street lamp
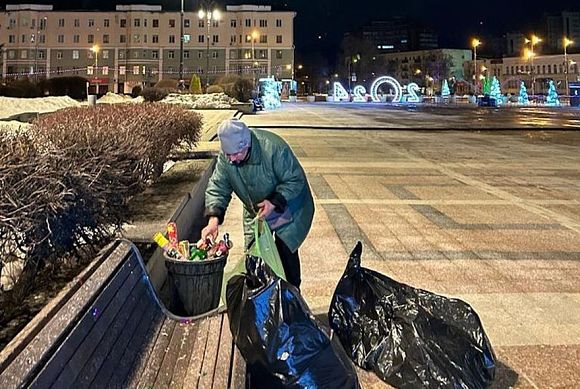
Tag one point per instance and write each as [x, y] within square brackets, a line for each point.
[181, 46]
[534, 40]
[567, 42]
[474, 43]
[208, 15]
[95, 50]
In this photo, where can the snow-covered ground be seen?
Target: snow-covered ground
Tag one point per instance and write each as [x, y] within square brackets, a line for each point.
[212, 100]
[10, 106]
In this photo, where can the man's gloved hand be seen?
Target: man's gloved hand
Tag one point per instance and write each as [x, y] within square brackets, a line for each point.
[211, 231]
[265, 208]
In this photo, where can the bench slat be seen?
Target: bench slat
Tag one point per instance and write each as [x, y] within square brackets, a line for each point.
[238, 371]
[195, 362]
[174, 350]
[152, 368]
[184, 356]
[211, 350]
[224, 357]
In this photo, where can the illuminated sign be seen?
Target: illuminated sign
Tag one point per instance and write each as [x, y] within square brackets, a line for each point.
[408, 93]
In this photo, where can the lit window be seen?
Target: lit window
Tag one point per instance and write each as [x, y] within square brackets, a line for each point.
[75, 54]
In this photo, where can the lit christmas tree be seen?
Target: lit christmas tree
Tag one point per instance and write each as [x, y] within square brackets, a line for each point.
[552, 98]
[495, 92]
[270, 95]
[523, 98]
[445, 92]
[486, 86]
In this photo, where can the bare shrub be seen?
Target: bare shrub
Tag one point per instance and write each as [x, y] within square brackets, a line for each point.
[243, 89]
[154, 94]
[215, 89]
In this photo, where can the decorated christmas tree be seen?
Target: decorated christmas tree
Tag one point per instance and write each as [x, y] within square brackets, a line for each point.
[445, 92]
[552, 98]
[270, 95]
[486, 86]
[495, 92]
[523, 97]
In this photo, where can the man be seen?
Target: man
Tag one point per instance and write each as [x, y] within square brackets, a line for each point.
[261, 169]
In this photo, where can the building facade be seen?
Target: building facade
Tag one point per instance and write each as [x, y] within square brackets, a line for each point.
[511, 71]
[398, 34]
[140, 44]
[560, 25]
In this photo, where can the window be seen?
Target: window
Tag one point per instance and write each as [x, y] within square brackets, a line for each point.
[12, 24]
[200, 54]
[122, 38]
[263, 38]
[262, 54]
[60, 39]
[136, 69]
[105, 70]
[155, 39]
[136, 22]
[544, 69]
[214, 54]
[136, 38]
[263, 23]
[42, 24]
[186, 54]
[233, 23]
[155, 23]
[549, 69]
[41, 54]
[90, 38]
[89, 70]
[61, 22]
[248, 22]
[201, 38]
[555, 69]
[278, 22]
[186, 23]
[215, 23]
[123, 23]
[215, 39]
[121, 54]
[12, 39]
[278, 54]
[75, 54]
[106, 23]
[172, 23]
[122, 70]
[32, 39]
[24, 54]
[233, 54]
[200, 23]
[233, 39]
[42, 39]
[91, 23]
[171, 54]
[89, 54]
[248, 38]
[144, 38]
[77, 23]
[135, 54]
[171, 38]
[76, 38]
[11, 55]
[59, 55]
[106, 38]
[278, 38]
[247, 54]
[144, 22]
[155, 54]
[105, 54]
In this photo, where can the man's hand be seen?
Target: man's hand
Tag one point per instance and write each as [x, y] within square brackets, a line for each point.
[211, 231]
[265, 209]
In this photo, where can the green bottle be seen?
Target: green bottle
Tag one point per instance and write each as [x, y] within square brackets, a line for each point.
[197, 254]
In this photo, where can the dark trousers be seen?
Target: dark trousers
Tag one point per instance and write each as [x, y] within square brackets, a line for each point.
[290, 261]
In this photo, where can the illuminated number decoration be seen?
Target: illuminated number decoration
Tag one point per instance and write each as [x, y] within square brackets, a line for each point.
[386, 80]
[412, 96]
[340, 93]
[359, 94]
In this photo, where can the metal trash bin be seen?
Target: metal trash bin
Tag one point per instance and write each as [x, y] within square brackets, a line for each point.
[196, 285]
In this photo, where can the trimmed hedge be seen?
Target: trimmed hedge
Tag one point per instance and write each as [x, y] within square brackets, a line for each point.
[64, 185]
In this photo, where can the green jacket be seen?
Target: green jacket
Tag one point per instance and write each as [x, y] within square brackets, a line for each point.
[272, 169]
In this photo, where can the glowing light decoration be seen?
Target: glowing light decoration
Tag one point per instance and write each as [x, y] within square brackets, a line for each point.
[386, 80]
[412, 95]
[270, 95]
[552, 98]
[340, 93]
[359, 94]
[523, 97]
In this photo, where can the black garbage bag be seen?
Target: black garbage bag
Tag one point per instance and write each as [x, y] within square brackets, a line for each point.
[409, 337]
[278, 336]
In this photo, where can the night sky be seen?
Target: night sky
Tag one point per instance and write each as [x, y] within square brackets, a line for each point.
[456, 20]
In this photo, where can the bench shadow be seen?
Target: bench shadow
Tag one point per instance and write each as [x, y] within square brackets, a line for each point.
[505, 376]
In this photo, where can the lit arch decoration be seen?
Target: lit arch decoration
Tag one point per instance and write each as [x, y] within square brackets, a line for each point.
[386, 80]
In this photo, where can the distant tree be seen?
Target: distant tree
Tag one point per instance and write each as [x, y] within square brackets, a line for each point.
[552, 98]
[523, 97]
[495, 92]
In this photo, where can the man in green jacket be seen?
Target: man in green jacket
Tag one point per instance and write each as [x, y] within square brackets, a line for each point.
[261, 169]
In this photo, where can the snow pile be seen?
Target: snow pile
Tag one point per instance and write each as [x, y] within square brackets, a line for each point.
[12, 128]
[10, 106]
[113, 98]
[211, 100]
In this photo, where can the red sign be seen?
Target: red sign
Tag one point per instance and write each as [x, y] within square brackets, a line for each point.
[99, 80]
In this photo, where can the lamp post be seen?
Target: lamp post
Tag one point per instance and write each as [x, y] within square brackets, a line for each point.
[181, 46]
[474, 43]
[208, 15]
[567, 42]
[534, 40]
[95, 50]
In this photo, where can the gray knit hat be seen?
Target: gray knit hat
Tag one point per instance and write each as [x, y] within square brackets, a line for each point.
[234, 136]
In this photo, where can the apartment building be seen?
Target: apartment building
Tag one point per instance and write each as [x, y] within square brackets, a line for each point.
[140, 44]
[511, 71]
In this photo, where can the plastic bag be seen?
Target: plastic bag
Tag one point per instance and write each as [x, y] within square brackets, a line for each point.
[277, 335]
[265, 247]
[409, 337]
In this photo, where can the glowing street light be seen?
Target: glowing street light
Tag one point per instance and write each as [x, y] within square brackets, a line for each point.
[475, 43]
[567, 42]
[534, 40]
[95, 49]
[208, 15]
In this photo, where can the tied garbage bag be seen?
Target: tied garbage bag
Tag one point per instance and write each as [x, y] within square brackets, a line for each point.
[409, 337]
[279, 338]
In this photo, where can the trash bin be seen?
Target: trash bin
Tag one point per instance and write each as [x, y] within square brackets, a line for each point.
[196, 285]
[92, 100]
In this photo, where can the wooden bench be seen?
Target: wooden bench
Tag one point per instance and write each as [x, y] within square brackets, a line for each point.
[108, 329]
